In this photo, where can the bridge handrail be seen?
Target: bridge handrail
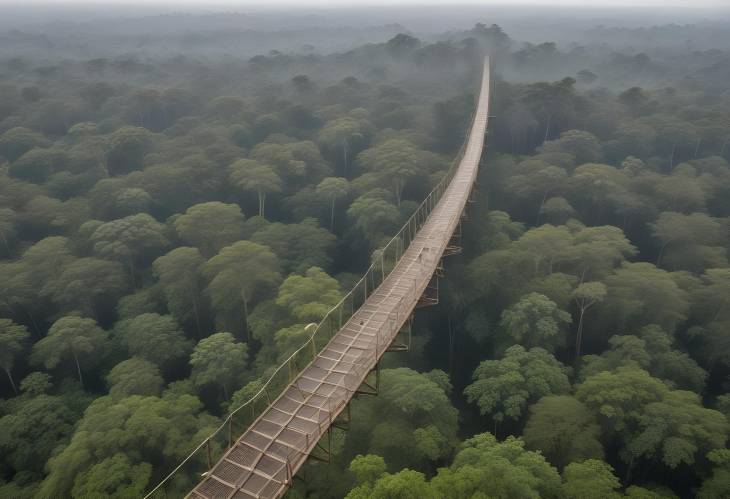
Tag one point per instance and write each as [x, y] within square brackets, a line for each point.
[398, 244]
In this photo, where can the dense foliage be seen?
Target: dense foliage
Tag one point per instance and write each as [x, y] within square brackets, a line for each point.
[169, 226]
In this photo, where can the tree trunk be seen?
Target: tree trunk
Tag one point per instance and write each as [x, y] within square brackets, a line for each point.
[261, 202]
[332, 215]
[630, 466]
[245, 319]
[579, 334]
[131, 272]
[398, 191]
[539, 210]
[661, 253]
[547, 128]
[78, 368]
[12, 383]
[671, 158]
[697, 147]
[5, 242]
[344, 154]
[196, 312]
[32, 320]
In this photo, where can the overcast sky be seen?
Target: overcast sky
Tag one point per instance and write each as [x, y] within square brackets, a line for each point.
[400, 3]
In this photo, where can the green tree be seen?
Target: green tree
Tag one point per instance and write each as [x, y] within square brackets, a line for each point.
[13, 339]
[179, 272]
[8, 232]
[115, 476]
[563, 429]
[535, 321]
[485, 467]
[132, 201]
[536, 178]
[134, 376]
[126, 149]
[38, 164]
[70, 338]
[590, 479]
[717, 485]
[333, 188]
[35, 426]
[17, 141]
[130, 238]
[557, 210]
[651, 349]
[86, 283]
[310, 296]
[367, 468]
[374, 216]
[710, 299]
[677, 430]
[584, 146]
[298, 246]
[410, 422]
[396, 161]
[153, 337]
[690, 242]
[406, 484]
[251, 176]
[145, 429]
[240, 274]
[503, 388]
[641, 294]
[596, 251]
[344, 133]
[218, 360]
[210, 226]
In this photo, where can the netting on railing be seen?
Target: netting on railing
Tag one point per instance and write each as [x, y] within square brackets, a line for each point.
[188, 473]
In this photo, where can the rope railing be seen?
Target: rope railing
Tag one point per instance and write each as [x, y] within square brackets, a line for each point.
[186, 474]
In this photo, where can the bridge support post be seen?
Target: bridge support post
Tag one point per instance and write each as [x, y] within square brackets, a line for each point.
[370, 389]
[403, 345]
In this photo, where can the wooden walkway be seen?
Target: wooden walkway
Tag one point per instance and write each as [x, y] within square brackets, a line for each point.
[263, 461]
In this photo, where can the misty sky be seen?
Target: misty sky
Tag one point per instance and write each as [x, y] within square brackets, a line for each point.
[400, 3]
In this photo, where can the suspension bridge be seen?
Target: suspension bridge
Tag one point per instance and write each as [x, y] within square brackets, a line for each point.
[290, 418]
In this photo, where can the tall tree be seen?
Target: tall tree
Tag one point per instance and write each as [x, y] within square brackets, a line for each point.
[333, 188]
[641, 294]
[153, 337]
[86, 283]
[503, 388]
[70, 338]
[179, 272]
[298, 246]
[130, 238]
[240, 274]
[134, 376]
[496, 469]
[563, 429]
[13, 338]
[219, 360]
[535, 321]
[396, 161]
[590, 479]
[146, 430]
[251, 176]
[585, 296]
[210, 226]
[310, 296]
[412, 422]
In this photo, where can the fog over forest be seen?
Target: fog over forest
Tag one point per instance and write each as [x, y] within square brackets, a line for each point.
[187, 191]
